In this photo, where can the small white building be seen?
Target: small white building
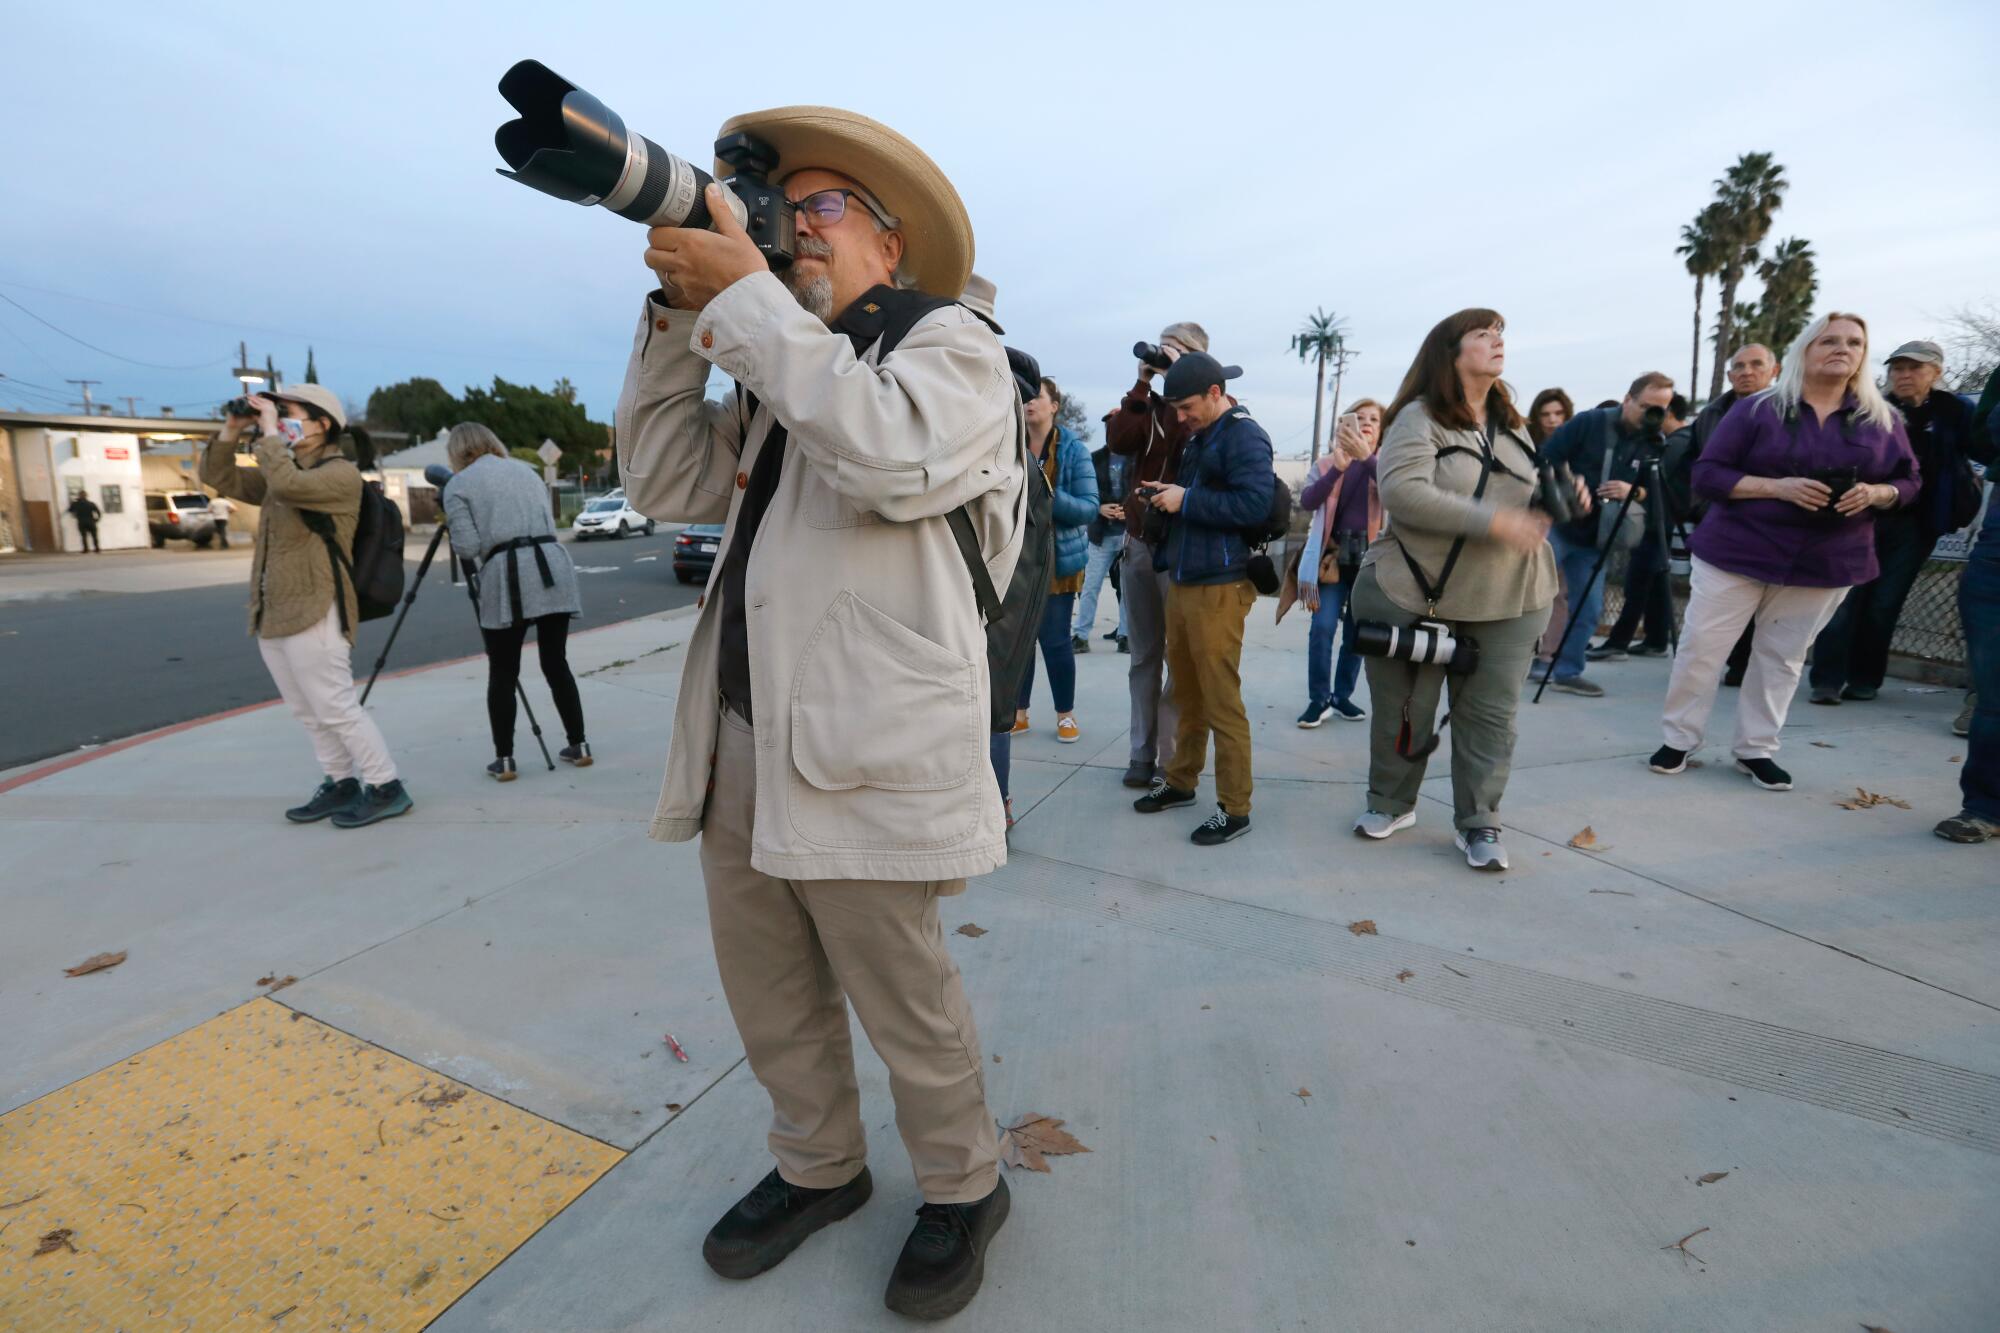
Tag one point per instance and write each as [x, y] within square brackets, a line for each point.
[47, 460]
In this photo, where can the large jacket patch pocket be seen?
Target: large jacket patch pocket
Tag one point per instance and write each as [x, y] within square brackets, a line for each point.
[886, 735]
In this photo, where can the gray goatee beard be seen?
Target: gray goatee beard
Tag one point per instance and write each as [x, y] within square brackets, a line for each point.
[815, 295]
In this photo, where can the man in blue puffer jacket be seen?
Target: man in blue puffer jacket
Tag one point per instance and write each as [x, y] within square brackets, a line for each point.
[1223, 485]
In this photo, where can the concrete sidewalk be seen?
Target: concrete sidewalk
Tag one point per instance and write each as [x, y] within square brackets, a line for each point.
[1493, 1113]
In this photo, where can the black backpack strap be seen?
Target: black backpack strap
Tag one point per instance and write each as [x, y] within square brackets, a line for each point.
[322, 524]
[962, 531]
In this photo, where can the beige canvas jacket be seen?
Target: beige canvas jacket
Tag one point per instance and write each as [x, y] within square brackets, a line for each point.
[291, 571]
[1427, 498]
[867, 654]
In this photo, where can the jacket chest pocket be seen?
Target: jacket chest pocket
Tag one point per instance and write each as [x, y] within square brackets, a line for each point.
[886, 735]
[827, 508]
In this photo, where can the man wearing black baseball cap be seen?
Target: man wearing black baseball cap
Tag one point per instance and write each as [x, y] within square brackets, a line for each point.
[1225, 482]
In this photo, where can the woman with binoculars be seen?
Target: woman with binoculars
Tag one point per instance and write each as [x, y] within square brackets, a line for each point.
[1466, 557]
[1796, 475]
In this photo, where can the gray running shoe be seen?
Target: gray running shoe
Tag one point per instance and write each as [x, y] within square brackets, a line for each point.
[1580, 685]
[1482, 848]
[1378, 825]
[1967, 827]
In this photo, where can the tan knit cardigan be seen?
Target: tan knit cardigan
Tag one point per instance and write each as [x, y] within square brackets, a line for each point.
[292, 572]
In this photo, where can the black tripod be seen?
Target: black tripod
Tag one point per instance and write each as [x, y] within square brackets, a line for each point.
[1656, 520]
[472, 590]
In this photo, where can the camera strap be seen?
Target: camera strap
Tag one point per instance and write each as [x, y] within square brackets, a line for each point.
[1405, 733]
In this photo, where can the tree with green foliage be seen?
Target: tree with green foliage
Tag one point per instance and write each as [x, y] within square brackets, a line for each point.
[312, 371]
[1748, 195]
[420, 407]
[1701, 248]
[1319, 341]
[1790, 274]
[523, 416]
[1070, 412]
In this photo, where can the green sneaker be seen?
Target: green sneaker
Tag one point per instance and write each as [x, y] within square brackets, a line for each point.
[331, 798]
[376, 804]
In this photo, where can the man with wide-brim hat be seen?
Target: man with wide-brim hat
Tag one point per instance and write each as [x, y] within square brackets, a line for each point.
[830, 736]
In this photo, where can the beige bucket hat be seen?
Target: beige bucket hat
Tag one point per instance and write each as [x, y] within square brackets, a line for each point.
[315, 396]
[937, 232]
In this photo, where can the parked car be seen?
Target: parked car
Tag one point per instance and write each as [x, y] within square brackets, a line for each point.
[610, 516]
[181, 515]
[694, 551]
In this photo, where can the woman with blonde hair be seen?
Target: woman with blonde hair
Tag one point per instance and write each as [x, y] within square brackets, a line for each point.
[1797, 475]
[497, 510]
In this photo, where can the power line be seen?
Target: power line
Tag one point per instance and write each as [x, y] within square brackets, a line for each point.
[150, 365]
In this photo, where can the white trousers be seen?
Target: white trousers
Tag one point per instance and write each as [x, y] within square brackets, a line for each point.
[1721, 604]
[316, 678]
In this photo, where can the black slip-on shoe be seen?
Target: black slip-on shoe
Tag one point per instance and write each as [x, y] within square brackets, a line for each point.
[1667, 759]
[1765, 774]
[331, 798]
[944, 1260]
[774, 1219]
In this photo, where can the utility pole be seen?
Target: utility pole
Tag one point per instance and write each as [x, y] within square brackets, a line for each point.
[131, 404]
[1341, 356]
[88, 406]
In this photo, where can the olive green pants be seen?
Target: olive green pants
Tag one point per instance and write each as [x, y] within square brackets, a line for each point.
[1483, 705]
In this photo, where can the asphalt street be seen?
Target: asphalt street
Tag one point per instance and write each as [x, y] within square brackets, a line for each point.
[92, 668]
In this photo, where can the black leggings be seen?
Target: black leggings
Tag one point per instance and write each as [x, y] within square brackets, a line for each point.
[503, 671]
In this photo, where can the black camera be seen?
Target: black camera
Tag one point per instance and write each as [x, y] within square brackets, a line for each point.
[1555, 492]
[1153, 355]
[1426, 643]
[1839, 480]
[568, 144]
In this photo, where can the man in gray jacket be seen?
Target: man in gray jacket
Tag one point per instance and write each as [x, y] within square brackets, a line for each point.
[831, 731]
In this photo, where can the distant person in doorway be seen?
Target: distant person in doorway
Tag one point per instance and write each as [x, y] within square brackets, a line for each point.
[86, 513]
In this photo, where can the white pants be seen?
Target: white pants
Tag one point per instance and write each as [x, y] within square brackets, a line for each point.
[1788, 620]
[316, 678]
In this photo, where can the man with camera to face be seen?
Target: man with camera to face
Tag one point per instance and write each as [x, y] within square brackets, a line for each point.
[830, 738]
[1601, 447]
[1223, 486]
[1146, 430]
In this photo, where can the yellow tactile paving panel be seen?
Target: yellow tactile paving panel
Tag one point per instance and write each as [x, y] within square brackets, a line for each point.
[265, 1171]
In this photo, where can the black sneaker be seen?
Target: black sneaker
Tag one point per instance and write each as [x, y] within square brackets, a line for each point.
[1162, 797]
[1141, 773]
[376, 804]
[1860, 694]
[1219, 828]
[1317, 711]
[331, 798]
[1667, 759]
[1125, 645]
[577, 755]
[1114, 634]
[502, 769]
[944, 1260]
[1080, 643]
[1605, 652]
[773, 1219]
[1732, 680]
[1968, 827]
[1349, 711]
[1765, 774]
[1824, 695]
[1649, 650]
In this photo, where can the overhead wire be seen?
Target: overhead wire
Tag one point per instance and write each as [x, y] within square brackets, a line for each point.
[105, 351]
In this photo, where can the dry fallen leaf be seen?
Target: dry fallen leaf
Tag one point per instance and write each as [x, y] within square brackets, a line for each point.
[970, 931]
[1027, 1144]
[1405, 975]
[1826, 745]
[1682, 1246]
[1304, 1095]
[1865, 799]
[673, 1106]
[1584, 840]
[1362, 927]
[97, 962]
[443, 1097]
[1711, 1177]
[275, 982]
[55, 1240]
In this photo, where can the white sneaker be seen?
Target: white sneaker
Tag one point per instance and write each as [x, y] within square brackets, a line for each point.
[1482, 848]
[1375, 824]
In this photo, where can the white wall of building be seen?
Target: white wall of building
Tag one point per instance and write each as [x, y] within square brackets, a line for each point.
[106, 466]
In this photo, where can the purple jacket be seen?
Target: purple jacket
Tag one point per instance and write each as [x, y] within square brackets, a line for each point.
[1775, 541]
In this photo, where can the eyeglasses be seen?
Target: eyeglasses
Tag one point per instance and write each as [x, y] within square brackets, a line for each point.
[827, 207]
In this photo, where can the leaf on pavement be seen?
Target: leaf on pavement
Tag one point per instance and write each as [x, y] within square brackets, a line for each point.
[1874, 1328]
[1826, 745]
[1865, 799]
[1036, 1138]
[276, 982]
[55, 1240]
[1711, 1177]
[97, 962]
[1584, 840]
[1362, 927]
[1405, 975]
[1304, 1095]
[970, 931]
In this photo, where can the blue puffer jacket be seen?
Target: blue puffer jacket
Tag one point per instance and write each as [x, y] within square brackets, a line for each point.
[1075, 503]
[1226, 470]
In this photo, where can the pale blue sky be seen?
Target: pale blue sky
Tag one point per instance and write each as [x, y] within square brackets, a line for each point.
[324, 174]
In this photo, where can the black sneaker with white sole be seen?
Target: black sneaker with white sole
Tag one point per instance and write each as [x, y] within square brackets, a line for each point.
[1667, 759]
[1219, 828]
[577, 756]
[1317, 711]
[1765, 774]
[773, 1219]
[1162, 797]
[503, 769]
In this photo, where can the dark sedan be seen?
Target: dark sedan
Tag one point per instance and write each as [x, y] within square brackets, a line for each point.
[694, 551]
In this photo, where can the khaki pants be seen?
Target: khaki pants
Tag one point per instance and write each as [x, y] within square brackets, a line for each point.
[1205, 656]
[1720, 604]
[793, 954]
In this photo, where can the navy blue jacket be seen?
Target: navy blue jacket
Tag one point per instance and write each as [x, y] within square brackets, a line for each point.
[1581, 442]
[1226, 470]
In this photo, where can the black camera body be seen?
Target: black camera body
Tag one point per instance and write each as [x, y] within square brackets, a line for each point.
[568, 144]
[1425, 643]
[1153, 355]
[1839, 480]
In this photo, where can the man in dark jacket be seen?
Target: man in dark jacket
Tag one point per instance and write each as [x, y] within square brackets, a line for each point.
[1146, 431]
[1851, 655]
[86, 513]
[1600, 447]
[1223, 485]
[1979, 611]
[1752, 370]
[1647, 593]
[1107, 539]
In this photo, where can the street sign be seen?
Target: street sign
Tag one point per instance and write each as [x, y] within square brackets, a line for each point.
[549, 453]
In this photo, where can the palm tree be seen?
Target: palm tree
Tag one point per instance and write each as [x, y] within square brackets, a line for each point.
[1748, 196]
[1791, 282]
[1701, 247]
[1319, 340]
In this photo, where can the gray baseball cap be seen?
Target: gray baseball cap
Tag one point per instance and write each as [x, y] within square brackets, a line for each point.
[1918, 350]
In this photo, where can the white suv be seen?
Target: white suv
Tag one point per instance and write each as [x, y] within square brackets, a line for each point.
[610, 516]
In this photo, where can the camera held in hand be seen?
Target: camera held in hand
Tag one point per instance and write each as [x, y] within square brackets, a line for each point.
[1426, 643]
[1153, 355]
[1838, 481]
[1555, 492]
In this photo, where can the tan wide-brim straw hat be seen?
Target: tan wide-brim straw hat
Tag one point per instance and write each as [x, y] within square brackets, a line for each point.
[315, 395]
[937, 231]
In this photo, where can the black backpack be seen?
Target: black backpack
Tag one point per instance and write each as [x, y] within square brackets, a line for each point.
[375, 566]
[1278, 522]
